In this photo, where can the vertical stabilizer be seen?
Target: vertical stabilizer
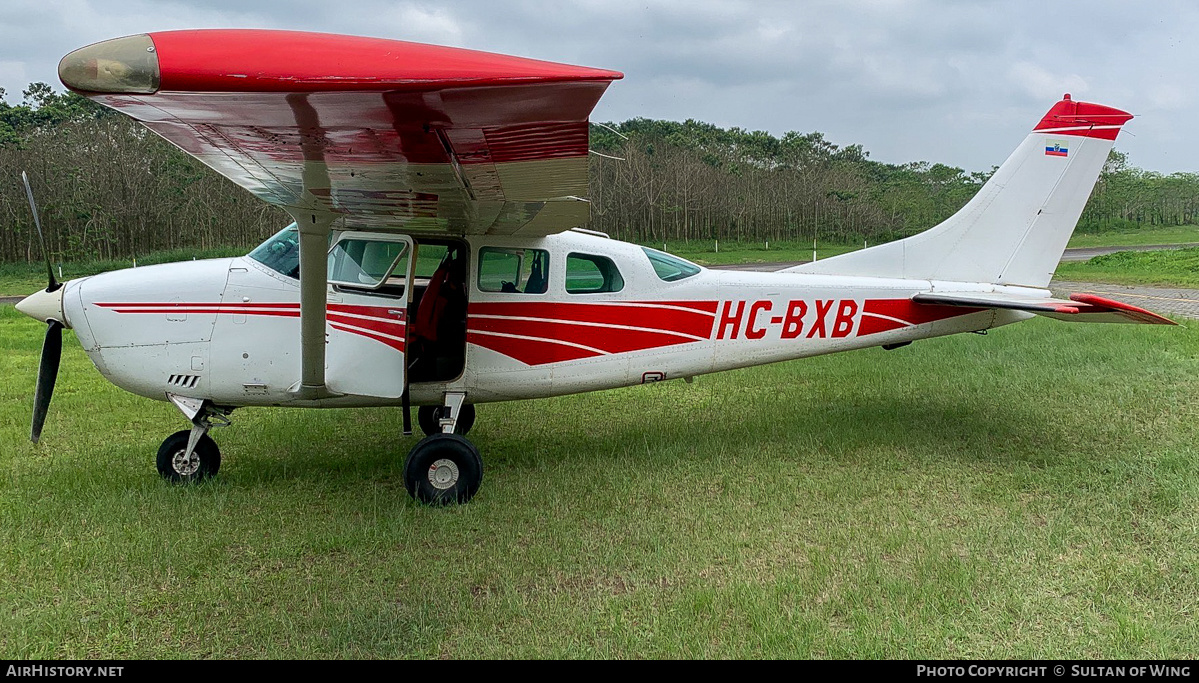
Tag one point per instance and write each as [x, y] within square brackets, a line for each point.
[1015, 229]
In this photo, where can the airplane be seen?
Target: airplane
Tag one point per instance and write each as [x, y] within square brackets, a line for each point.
[438, 256]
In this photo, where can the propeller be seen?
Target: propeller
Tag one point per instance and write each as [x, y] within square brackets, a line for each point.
[37, 222]
[47, 372]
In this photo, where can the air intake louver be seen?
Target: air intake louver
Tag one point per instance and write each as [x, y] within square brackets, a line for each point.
[185, 381]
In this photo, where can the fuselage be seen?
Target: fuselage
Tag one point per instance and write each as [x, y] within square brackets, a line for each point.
[228, 330]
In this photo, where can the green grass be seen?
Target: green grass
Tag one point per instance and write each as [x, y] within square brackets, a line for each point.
[1184, 234]
[1029, 494]
[1174, 267]
[704, 252]
[19, 279]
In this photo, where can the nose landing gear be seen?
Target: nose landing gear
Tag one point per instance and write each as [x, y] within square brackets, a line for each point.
[182, 462]
[190, 455]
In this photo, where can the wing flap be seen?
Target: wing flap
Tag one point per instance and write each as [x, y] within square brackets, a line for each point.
[1078, 308]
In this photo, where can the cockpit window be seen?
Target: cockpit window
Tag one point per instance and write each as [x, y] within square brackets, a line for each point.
[670, 268]
[281, 253]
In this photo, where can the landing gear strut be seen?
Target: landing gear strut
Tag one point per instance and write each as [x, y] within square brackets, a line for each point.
[429, 418]
[190, 455]
[444, 467]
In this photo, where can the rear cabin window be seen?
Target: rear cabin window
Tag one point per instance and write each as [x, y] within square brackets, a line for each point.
[670, 268]
[513, 271]
[589, 274]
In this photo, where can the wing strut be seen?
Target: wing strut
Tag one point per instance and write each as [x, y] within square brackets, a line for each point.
[314, 251]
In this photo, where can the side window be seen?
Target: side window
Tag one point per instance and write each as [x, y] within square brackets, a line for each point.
[588, 274]
[368, 264]
[513, 271]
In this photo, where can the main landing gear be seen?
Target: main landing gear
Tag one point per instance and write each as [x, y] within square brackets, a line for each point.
[190, 455]
[441, 469]
[444, 467]
[429, 419]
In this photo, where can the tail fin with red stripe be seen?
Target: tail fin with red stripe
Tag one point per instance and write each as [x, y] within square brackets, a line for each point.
[1015, 229]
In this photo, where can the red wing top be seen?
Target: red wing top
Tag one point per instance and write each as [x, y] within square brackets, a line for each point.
[389, 134]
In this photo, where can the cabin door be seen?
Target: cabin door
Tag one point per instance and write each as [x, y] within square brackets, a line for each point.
[370, 278]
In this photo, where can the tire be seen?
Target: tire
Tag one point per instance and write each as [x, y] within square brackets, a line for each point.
[442, 469]
[204, 463]
[428, 417]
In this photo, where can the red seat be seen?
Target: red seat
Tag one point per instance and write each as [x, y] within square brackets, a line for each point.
[432, 304]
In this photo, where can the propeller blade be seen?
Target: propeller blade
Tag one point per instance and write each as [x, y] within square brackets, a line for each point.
[47, 373]
[54, 284]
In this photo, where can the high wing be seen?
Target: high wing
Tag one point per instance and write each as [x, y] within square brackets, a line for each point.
[1078, 308]
[373, 133]
[385, 134]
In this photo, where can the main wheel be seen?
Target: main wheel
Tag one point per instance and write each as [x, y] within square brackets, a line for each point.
[429, 419]
[443, 469]
[204, 462]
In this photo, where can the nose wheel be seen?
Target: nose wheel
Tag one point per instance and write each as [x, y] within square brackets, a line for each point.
[190, 455]
[176, 463]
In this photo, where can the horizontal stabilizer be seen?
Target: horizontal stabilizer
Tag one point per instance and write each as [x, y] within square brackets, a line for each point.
[1086, 308]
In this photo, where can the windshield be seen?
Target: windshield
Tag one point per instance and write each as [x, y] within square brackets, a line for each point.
[669, 267]
[281, 253]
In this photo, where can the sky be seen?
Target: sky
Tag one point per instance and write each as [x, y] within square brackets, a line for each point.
[956, 82]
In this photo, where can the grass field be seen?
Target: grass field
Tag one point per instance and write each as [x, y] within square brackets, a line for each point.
[1183, 234]
[1173, 267]
[1031, 494]
[19, 279]
[704, 252]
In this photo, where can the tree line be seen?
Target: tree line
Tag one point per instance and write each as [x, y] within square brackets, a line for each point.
[108, 188]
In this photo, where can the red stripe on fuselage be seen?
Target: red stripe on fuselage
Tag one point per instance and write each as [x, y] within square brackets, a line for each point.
[609, 339]
[395, 328]
[397, 344]
[529, 351]
[656, 316]
[388, 320]
[904, 310]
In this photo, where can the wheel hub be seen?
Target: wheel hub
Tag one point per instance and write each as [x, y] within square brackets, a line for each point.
[185, 466]
[443, 474]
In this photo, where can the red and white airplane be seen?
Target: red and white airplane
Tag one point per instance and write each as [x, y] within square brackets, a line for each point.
[436, 258]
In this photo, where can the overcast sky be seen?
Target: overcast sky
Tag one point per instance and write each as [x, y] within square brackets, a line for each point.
[958, 82]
